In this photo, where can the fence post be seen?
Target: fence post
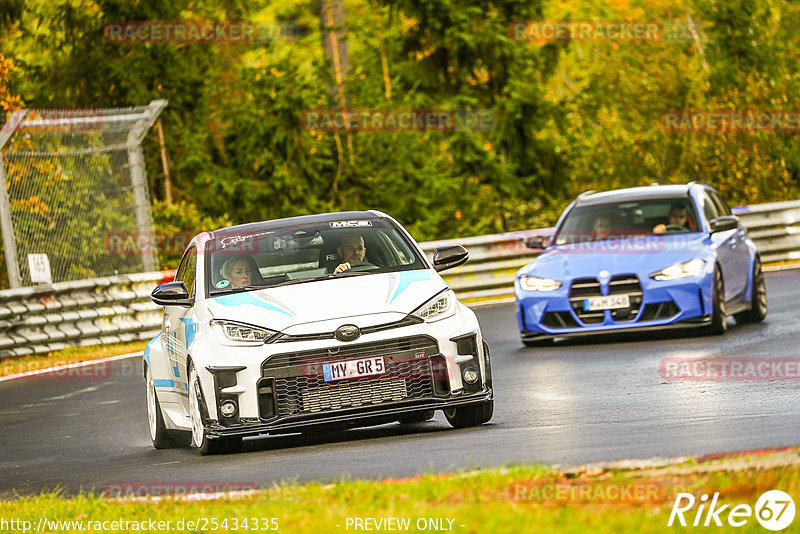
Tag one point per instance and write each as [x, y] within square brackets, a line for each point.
[138, 181]
[6, 225]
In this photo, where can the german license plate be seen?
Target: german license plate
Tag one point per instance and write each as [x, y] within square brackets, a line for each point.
[353, 368]
[610, 302]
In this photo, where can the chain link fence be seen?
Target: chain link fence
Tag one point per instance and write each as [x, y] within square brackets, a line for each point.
[72, 182]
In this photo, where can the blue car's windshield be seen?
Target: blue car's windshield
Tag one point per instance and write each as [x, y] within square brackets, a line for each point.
[239, 261]
[628, 219]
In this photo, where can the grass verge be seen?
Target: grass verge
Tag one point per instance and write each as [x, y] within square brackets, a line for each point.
[512, 499]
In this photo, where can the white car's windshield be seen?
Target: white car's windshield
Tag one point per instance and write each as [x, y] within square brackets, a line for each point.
[628, 219]
[238, 261]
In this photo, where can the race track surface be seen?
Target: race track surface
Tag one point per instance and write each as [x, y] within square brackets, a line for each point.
[582, 400]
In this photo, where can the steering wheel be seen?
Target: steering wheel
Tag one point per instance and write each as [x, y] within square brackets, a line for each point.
[361, 266]
[675, 228]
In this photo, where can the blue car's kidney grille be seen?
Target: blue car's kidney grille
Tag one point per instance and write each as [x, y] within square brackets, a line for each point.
[626, 284]
[580, 289]
[622, 284]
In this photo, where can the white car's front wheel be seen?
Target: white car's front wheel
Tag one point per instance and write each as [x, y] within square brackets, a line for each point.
[470, 415]
[161, 436]
[200, 437]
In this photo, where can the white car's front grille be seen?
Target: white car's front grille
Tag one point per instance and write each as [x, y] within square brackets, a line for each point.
[300, 387]
[355, 393]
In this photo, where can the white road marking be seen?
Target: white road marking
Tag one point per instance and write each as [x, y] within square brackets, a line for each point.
[72, 393]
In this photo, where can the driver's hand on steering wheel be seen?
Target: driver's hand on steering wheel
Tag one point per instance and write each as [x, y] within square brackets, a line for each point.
[660, 229]
[342, 267]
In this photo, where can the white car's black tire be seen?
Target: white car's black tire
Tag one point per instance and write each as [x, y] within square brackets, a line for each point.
[162, 437]
[417, 417]
[470, 415]
[197, 411]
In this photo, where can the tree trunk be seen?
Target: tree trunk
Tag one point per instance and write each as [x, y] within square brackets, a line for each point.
[332, 17]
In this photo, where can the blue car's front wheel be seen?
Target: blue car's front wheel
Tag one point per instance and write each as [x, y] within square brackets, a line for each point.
[758, 298]
[719, 314]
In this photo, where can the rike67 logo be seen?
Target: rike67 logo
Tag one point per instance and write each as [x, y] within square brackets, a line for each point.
[774, 510]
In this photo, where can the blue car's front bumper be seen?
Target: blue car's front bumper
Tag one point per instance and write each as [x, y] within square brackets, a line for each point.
[654, 304]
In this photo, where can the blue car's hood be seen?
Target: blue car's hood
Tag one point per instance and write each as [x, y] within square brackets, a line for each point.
[617, 256]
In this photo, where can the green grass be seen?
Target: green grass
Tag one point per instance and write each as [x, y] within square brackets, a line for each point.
[484, 501]
[11, 366]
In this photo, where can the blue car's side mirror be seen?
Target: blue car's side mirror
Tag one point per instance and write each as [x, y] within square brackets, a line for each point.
[722, 224]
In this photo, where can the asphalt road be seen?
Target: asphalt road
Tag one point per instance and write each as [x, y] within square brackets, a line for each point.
[579, 401]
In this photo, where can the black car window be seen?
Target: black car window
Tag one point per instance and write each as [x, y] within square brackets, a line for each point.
[722, 207]
[612, 220]
[188, 270]
[305, 252]
[709, 208]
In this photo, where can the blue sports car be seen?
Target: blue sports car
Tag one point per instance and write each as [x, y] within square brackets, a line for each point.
[647, 257]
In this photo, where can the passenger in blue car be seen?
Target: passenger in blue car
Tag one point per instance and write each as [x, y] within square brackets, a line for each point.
[602, 227]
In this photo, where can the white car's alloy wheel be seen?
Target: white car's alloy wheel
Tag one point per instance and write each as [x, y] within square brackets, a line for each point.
[198, 432]
[199, 436]
[161, 436]
[151, 405]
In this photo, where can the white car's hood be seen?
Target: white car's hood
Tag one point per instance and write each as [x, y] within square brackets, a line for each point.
[327, 304]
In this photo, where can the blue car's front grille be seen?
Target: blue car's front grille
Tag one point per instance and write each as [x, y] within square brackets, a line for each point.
[580, 289]
[623, 284]
[626, 284]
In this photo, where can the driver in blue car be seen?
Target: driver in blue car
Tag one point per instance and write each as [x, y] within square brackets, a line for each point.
[352, 251]
[678, 217]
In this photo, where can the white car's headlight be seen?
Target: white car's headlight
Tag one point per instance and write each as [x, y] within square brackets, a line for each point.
[680, 270]
[439, 307]
[534, 283]
[229, 332]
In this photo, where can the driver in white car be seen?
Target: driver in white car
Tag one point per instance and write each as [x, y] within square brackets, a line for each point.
[351, 250]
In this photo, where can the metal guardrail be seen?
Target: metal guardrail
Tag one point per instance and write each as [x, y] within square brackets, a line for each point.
[775, 228]
[85, 312]
[118, 308]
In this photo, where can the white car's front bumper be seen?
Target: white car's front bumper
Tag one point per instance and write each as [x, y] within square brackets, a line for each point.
[279, 387]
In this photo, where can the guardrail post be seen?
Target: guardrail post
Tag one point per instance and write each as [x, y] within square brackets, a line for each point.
[6, 225]
[138, 181]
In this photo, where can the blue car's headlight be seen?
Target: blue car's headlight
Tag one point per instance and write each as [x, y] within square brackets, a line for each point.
[534, 283]
[680, 270]
[441, 306]
[231, 332]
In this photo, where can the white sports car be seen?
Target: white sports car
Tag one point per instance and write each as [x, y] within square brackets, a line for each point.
[307, 324]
